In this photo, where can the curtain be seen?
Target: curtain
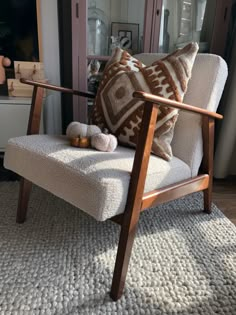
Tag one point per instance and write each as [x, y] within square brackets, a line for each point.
[51, 60]
[225, 155]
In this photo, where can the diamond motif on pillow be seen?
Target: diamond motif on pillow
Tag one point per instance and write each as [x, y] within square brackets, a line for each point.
[116, 109]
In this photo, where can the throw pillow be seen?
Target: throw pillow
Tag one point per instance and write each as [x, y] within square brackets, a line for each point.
[116, 109]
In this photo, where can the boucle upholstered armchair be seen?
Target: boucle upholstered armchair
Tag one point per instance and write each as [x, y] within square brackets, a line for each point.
[121, 184]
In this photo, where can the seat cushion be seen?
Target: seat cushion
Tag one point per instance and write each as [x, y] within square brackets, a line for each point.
[116, 109]
[96, 182]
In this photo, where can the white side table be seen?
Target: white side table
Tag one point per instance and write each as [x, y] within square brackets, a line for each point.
[14, 115]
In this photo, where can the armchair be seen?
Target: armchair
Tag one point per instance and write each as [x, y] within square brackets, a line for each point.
[120, 185]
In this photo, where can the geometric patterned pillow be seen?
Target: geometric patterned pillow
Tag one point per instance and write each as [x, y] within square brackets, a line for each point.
[116, 109]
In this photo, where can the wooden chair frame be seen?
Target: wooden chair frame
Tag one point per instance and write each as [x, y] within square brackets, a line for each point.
[137, 200]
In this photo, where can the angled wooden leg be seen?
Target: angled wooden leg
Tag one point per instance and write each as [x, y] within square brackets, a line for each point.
[126, 241]
[134, 200]
[24, 193]
[208, 148]
[208, 199]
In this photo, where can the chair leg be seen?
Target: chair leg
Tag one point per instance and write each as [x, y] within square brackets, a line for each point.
[24, 194]
[208, 128]
[126, 241]
[208, 198]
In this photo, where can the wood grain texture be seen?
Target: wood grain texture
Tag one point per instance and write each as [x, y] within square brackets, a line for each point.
[134, 200]
[138, 201]
[175, 191]
[35, 111]
[147, 97]
[208, 132]
[23, 200]
[58, 88]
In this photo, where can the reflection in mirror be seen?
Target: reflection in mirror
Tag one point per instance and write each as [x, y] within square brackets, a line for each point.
[201, 7]
[102, 14]
[181, 22]
[97, 31]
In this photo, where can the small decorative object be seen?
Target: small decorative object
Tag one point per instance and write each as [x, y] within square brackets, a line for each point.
[104, 142]
[93, 82]
[93, 67]
[83, 136]
[4, 62]
[128, 34]
[80, 142]
[18, 89]
[94, 76]
[76, 129]
[29, 70]
[115, 42]
[166, 35]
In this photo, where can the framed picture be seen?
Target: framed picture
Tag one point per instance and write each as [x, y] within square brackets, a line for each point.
[128, 34]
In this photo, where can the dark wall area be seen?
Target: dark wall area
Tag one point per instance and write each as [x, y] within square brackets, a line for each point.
[18, 34]
[18, 30]
[65, 37]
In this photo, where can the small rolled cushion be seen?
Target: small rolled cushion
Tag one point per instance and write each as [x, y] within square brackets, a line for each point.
[104, 142]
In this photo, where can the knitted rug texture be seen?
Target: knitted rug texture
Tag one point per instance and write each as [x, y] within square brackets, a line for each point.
[60, 261]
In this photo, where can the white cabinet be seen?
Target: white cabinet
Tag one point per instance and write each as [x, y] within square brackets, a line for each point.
[14, 115]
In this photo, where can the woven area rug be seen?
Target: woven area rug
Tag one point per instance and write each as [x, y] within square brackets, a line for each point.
[60, 261]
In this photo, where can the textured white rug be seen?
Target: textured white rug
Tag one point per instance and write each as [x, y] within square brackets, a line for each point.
[60, 261]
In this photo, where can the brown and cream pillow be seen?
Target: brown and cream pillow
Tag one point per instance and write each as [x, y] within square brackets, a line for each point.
[116, 109]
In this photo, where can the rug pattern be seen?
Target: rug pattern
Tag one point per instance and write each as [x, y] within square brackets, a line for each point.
[60, 261]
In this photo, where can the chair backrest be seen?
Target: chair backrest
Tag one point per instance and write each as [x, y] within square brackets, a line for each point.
[204, 90]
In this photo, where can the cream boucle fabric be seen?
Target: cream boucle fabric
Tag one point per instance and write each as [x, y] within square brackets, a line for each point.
[96, 182]
[205, 88]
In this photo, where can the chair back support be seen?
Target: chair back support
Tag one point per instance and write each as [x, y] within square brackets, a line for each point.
[204, 90]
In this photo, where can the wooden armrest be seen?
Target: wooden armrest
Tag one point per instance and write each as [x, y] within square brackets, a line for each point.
[147, 97]
[57, 88]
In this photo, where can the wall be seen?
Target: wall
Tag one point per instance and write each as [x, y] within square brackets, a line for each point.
[232, 169]
[51, 59]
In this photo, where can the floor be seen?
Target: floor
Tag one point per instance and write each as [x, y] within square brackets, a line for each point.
[6, 175]
[224, 196]
[224, 192]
